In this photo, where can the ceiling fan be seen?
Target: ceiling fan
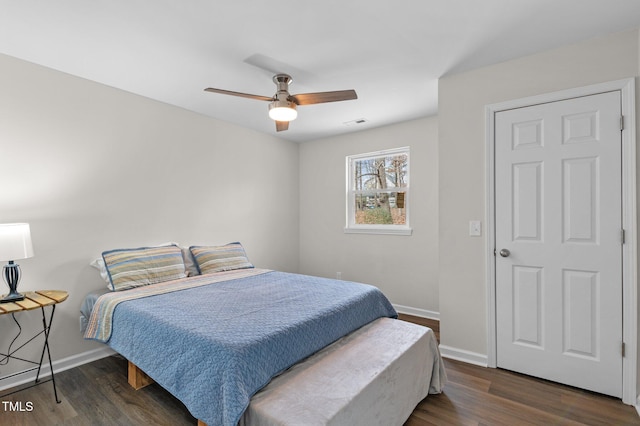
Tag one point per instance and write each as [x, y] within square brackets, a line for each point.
[282, 106]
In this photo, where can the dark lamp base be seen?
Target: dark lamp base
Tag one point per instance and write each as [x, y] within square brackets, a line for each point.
[11, 275]
[12, 297]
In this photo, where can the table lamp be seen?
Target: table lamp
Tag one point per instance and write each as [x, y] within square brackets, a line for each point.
[15, 244]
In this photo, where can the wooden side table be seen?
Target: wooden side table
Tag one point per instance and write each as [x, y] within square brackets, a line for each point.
[34, 300]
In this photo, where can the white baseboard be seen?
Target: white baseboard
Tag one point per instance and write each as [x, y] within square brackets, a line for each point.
[446, 351]
[638, 405]
[424, 313]
[60, 365]
[464, 356]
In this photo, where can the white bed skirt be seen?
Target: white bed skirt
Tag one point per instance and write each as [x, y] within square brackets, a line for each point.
[373, 376]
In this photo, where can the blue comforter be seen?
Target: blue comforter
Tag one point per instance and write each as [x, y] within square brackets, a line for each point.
[214, 346]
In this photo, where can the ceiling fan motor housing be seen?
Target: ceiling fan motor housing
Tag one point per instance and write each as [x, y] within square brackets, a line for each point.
[282, 108]
[282, 81]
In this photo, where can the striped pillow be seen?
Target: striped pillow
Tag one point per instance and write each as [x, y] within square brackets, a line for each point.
[129, 268]
[220, 258]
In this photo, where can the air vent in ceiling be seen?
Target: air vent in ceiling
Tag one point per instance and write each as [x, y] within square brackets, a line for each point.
[356, 122]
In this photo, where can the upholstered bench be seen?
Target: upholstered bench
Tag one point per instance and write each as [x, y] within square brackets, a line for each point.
[337, 387]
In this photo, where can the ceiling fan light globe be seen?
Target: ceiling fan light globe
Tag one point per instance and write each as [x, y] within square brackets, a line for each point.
[282, 111]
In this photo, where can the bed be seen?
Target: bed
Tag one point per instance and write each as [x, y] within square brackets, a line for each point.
[217, 339]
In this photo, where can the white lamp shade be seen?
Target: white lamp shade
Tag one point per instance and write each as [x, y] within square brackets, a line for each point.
[15, 241]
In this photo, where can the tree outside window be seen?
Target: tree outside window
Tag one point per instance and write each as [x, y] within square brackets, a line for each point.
[378, 192]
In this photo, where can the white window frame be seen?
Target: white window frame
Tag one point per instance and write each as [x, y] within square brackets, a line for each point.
[354, 228]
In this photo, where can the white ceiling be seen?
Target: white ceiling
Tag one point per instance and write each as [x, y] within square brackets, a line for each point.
[392, 52]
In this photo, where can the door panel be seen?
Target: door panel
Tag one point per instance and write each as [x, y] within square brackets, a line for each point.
[580, 196]
[558, 213]
[527, 205]
[580, 296]
[527, 303]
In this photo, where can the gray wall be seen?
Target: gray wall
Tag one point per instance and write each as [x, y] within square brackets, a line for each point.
[403, 267]
[93, 168]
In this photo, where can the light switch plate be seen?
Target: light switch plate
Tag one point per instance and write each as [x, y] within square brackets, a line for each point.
[475, 228]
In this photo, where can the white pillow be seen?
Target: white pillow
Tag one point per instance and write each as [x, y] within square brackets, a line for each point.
[99, 265]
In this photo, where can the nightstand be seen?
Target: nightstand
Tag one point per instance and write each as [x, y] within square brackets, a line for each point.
[32, 301]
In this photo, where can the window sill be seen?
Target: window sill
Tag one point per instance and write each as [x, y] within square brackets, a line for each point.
[387, 230]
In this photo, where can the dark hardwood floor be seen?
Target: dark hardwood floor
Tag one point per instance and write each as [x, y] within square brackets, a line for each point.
[98, 394]
[489, 396]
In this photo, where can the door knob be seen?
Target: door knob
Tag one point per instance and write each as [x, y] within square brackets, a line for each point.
[505, 253]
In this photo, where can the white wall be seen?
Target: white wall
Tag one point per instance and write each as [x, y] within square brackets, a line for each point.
[93, 168]
[403, 267]
[462, 99]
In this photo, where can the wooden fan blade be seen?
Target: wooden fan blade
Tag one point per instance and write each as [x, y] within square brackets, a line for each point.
[242, 95]
[282, 125]
[323, 97]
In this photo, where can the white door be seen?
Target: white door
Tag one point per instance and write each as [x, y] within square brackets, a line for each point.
[559, 241]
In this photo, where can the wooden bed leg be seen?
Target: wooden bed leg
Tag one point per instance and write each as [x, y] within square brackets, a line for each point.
[137, 378]
[201, 423]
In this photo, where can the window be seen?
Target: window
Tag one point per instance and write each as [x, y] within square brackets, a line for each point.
[378, 192]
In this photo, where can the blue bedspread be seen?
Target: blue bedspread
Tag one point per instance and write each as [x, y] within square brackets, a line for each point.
[214, 346]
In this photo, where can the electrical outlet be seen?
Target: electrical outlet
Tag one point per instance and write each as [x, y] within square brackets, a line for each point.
[338, 275]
